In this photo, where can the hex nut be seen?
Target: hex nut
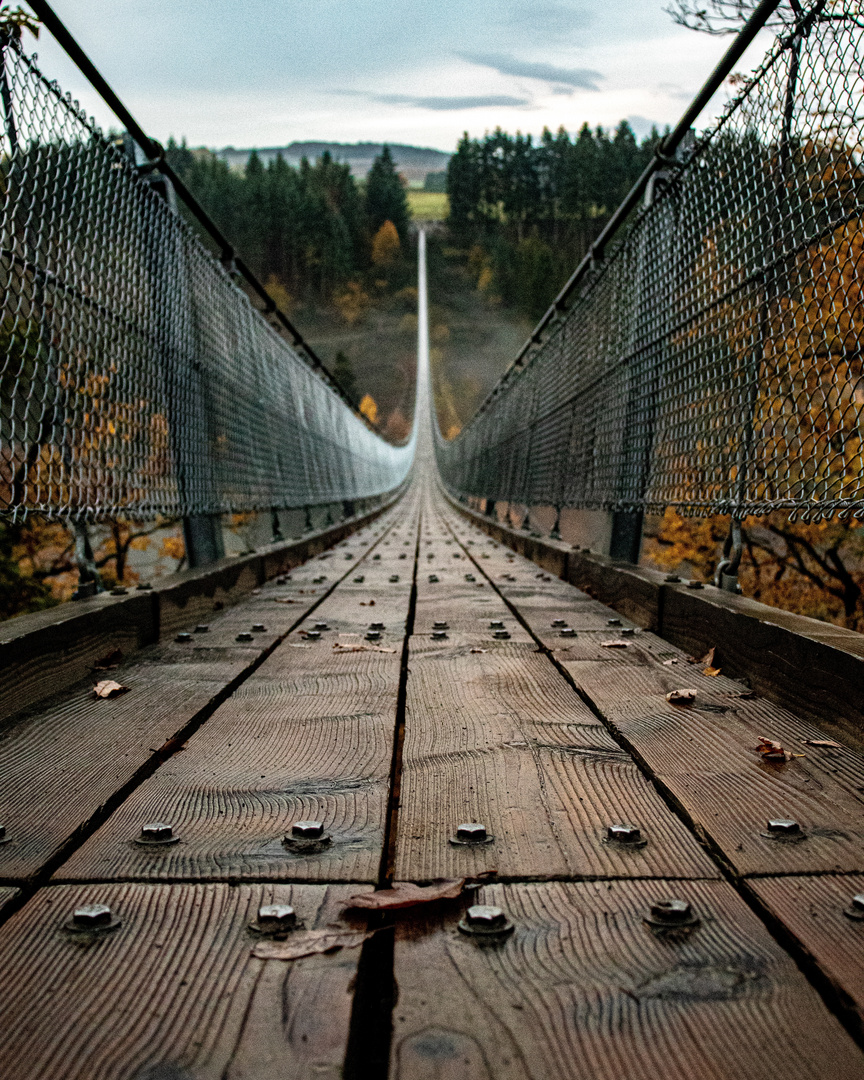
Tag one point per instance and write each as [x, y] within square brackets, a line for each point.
[144, 586]
[313, 635]
[783, 827]
[307, 836]
[625, 835]
[359, 580]
[373, 635]
[440, 626]
[274, 919]
[376, 556]
[470, 577]
[394, 577]
[613, 622]
[470, 833]
[156, 834]
[377, 626]
[92, 918]
[501, 635]
[433, 579]
[695, 585]
[856, 907]
[672, 578]
[321, 626]
[568, 631]
[119, 590]
[258, 628]
[439, 635]
[496, 624]
[485, 920]
[244, 635]
[202, 628]
[627, 631]
[671, 914]
[183, 637]
[559, 622]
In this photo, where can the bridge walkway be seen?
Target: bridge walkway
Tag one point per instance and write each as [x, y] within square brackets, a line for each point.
[546, 738]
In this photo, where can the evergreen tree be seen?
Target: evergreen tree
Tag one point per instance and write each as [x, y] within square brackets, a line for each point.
[385, 195]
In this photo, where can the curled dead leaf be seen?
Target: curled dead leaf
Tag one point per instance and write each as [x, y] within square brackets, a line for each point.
[339, 647]
[711, 671]
[681, 697]
[772, 751]
[479, 650]
[406, 894]
[367, 603]
[108, 689]
[824, 742]
[310, 942]
[708, 658]
[110, 661]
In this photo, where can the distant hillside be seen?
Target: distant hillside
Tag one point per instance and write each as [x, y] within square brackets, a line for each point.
[413, 162]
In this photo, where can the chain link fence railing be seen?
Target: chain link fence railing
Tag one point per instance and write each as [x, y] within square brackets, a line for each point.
[713, 360]
[136, 378]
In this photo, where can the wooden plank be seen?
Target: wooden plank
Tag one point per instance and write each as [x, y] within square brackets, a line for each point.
[583, 990]
[174, 992]
[497, 736]
[813, 911]
[309, 736]
[61, 764]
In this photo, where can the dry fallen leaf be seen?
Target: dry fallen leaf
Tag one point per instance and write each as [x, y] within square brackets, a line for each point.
[339, 647]
[310, 942]
[108, 689]
[112, 660]
[364, 603]
[614, 644]
[479, 650]
[824, 742]
[406, 894]
[708, 658]
[681, 697]
[711, 671]
[772, 751]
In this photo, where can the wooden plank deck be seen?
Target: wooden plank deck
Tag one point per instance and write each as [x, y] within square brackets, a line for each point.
[546, 740]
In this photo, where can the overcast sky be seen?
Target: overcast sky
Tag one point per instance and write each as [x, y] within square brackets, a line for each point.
[268, 72]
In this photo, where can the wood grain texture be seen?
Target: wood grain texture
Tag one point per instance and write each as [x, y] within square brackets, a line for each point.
[61, 763]
[7, 895]
[309, 736]
[812, 910]
[174, 992]
[583, 990]
[499, 737]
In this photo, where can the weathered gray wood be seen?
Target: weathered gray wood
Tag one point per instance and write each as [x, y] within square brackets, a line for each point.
[309, 736]
[174, 992]
[497, 736]
[583, 990]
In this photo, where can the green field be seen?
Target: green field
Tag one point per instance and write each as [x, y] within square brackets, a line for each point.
[427, 205]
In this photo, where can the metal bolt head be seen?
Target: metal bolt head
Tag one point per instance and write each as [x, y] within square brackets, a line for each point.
[144, 586]
[279, 916]
[244, 635]
[433, 579]
[321, 626]
[92, 915]
[373, 635]
[470, 577]
[157, 830]
[376, 626]
[313, 635]
[672, 578]
[307, 830]
[183, 637]
[359, 580]
[394, 577]
[496, 624]
[695, 585]
[568, 631]
[258, 627]
[784, 827]
[119, 590]
[471, 832]
[673, 912]
[485, 917]
[501, 635]
[439, 635]
[613, 622]
[376, 556]
[559, 622]
[624, 834]
[627, 631]
[202, 628]
[349, 555]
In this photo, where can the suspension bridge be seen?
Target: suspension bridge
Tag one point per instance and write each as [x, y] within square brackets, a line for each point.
[426, 793]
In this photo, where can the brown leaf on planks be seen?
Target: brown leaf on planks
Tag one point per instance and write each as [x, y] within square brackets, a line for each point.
[405, 894]
[614, 644]
[171, 746]
[711, 671]
[340, 648]
[708, 658]
[479, 650]
[681, 697]
[367, 603]
[825, 742]
[110, 661]
[310, 942]
[773, 751]
[108, 689]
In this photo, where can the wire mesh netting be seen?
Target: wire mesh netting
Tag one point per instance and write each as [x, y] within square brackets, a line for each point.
[713, 360]
[136, 378]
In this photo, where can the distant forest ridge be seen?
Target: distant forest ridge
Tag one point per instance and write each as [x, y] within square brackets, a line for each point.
[413, 162]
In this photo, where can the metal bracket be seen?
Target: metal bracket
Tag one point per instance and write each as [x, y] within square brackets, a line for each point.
[726, 574]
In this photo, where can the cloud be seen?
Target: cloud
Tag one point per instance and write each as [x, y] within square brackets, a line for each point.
[583, 78]
[444, 104]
